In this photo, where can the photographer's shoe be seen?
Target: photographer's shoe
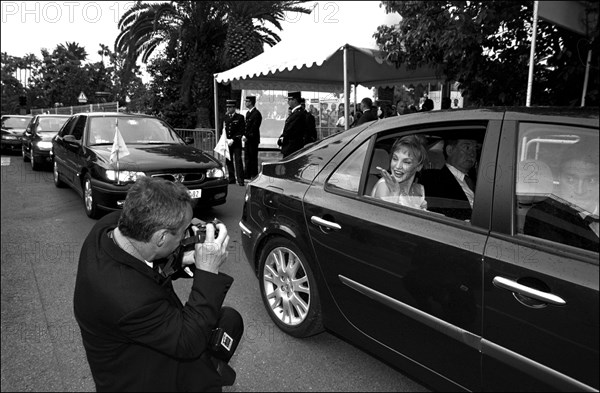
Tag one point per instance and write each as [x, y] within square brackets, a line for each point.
[227, 373]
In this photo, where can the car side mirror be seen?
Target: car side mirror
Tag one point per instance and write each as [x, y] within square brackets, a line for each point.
[188, 140]
[70, 139]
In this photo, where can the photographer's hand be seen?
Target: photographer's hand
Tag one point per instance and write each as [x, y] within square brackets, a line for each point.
[211, 254]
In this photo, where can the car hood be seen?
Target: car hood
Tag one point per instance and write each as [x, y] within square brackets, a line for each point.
[158, 157]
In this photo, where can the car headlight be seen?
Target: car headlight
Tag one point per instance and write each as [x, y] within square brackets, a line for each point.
[44, 145]
[123, 176]
[215, 173]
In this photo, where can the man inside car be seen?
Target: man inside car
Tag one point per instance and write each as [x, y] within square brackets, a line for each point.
[450, 190]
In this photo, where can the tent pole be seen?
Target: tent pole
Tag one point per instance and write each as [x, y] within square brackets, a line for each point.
[216, 92]
[532, 54]
[585, 79]
[346, 100]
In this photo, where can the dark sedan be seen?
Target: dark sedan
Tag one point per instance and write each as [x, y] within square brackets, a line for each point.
[84, 158]
[13, 127]
[37, 139]
[489, 283]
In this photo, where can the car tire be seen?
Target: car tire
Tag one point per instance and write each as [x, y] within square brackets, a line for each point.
[288, 289]
[56, 175]
[89, 201]
[25, 158]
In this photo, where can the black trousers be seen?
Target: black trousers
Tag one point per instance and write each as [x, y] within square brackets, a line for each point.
[251, 158]
[235, 165]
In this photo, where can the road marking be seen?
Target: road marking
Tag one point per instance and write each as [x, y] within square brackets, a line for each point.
[5, 161]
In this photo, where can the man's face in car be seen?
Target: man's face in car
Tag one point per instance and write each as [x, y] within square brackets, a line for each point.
[462, 155]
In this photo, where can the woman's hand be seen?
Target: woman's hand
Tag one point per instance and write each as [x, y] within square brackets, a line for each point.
[390, 181]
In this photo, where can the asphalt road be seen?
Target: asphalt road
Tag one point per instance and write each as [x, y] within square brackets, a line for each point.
[42, 230]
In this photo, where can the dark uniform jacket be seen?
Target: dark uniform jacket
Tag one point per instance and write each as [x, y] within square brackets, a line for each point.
[311, 128]
[136, 333]
[444, 193]
[555, 221]
[253, 121]
[369, 115]
[234, 128]
[293, 132]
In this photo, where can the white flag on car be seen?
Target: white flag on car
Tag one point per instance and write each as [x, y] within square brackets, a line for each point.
[119, 148]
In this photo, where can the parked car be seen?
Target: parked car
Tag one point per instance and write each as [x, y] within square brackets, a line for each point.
[13, 127]
[37, 138]
[81, 153]
[476, 302]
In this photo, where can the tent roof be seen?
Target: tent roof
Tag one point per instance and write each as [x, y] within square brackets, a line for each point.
[320, 67]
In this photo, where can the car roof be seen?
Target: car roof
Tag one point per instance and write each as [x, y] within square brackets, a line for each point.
[113, 114]
[23, 116]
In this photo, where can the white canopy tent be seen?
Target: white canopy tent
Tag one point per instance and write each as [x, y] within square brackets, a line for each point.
[330, 67]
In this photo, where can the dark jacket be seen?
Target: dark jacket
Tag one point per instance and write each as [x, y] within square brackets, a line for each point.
[136, 333]
[367, 116]
[555, 221]
[444, 194]
[311, 128]
[253, 121]
[235, 127]
[292, 137]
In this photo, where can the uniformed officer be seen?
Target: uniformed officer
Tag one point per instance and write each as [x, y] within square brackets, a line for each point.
[234, 129]
[292, 137]
[311, 124]
[252, 137]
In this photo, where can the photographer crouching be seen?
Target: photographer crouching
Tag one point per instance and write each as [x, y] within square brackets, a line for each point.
[137, 334]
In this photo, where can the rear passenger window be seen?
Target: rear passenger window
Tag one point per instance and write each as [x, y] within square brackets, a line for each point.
[433, 170]
[557, 184]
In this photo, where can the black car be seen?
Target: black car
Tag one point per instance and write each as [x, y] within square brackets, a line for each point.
[496, 293]
[13, 127]
[37, 139]
[85, 159]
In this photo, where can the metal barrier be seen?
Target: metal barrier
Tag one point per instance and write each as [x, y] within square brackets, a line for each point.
[204, 138]
[70, 110]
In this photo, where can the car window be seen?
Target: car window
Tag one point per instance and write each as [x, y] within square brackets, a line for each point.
[77, 131]
[347, 175]
[68, 126]
[50, 124]
[132, 129]
[15, 122]
[557, 184]
[411, 170]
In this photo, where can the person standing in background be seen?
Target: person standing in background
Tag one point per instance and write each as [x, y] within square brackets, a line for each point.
[251, 137]
[234, 129]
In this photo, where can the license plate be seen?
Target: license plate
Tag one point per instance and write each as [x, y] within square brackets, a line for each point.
[195, 193]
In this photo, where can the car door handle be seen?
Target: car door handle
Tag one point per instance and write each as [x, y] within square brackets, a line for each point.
[521, 289]
[324, 223]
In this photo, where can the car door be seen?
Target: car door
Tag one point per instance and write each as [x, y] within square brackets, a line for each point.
[73, 151]
[540, 318]
[408, 280]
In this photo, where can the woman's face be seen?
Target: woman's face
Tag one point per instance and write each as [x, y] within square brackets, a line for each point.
[403, 164]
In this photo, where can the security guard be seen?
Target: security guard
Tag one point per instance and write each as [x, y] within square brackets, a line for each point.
[292, 137]
[252, 137]
[234, 129]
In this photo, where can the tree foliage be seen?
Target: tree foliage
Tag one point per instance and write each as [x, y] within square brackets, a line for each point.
[197, 39]
[485, 46]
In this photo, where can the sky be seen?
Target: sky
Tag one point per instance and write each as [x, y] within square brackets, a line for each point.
[27, 27]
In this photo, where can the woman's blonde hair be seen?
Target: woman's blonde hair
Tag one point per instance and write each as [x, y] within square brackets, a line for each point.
[414, 144]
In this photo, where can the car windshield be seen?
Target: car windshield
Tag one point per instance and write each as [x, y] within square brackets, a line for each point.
[138, 130]
[51, 124]
[15, 122]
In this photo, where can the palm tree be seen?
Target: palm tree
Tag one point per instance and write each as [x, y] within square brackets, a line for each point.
[72, 51]
[245, 40]
[201, 34]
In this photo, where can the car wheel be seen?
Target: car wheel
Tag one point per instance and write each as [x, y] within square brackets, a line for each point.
[91, 208]
[56, 175]
[25, 158]
[289, 290]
